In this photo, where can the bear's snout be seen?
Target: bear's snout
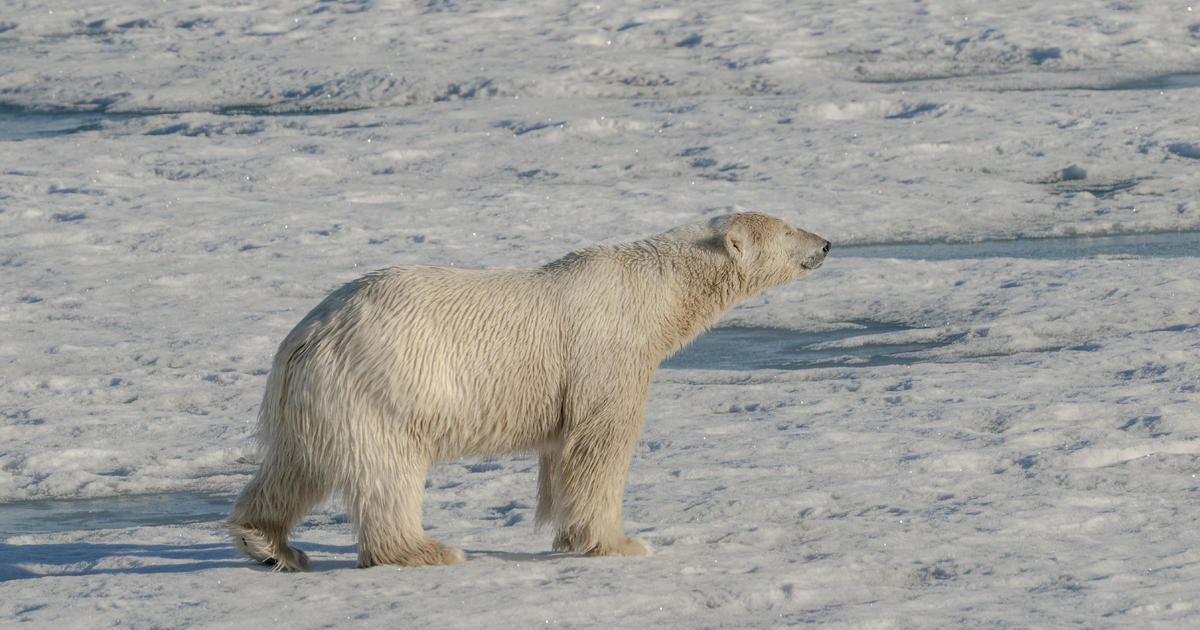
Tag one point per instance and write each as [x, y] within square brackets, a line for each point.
[815, 259]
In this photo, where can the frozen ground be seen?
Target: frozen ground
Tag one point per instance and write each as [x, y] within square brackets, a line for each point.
[982, 412]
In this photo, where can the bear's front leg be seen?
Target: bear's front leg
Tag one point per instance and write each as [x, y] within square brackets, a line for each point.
[588, 485]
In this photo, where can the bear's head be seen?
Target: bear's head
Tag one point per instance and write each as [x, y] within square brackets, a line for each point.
[766, 250]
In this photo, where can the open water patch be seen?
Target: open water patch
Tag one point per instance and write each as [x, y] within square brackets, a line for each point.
[21, 124]
[1156, 244]
[66, 515]
[857, 344]
[1176, 81]
[1053, 81]
[1099, 191]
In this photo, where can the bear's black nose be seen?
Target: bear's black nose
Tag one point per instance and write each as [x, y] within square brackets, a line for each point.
[827, 246]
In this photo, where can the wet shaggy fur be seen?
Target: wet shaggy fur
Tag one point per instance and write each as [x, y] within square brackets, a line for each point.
[413, 365]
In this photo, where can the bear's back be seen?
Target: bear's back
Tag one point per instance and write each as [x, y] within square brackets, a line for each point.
[468, 351]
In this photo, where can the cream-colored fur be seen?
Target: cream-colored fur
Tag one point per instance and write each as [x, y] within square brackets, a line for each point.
[410, 366]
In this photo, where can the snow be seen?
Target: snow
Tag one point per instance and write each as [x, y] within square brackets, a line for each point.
[1004, 440]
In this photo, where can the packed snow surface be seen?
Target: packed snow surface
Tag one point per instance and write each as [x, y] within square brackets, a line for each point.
[984, 411]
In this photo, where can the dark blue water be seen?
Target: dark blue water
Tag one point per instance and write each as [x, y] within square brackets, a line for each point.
[18, 124]
[61, 515]
[1160, 244]
[1178, 81]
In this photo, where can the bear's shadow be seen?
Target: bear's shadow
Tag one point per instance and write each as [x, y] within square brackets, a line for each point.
[513, 556]
[18, 562]
[473, 555]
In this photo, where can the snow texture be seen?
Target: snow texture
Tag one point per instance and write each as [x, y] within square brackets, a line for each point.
[957, 441]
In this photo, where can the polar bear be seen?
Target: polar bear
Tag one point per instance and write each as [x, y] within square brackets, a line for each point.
[413, 365]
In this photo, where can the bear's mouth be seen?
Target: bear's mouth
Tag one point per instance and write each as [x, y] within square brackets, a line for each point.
[814, 263]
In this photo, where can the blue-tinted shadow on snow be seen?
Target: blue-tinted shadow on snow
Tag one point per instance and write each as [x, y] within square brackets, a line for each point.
[762, 348]
[38, 560]
[47, 516]
[81, 558]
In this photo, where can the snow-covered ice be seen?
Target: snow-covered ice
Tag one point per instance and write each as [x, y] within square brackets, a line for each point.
[981, 412]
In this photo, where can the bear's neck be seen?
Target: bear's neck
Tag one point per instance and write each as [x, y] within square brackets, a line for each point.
[691, 288]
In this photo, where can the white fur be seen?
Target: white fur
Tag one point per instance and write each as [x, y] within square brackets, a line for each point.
[412, 365]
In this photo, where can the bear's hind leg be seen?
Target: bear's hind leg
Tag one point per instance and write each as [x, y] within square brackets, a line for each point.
[548, 501]
[388, 519]
[266, 512]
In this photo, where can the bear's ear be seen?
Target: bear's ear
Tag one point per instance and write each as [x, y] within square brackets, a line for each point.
[736, 242]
